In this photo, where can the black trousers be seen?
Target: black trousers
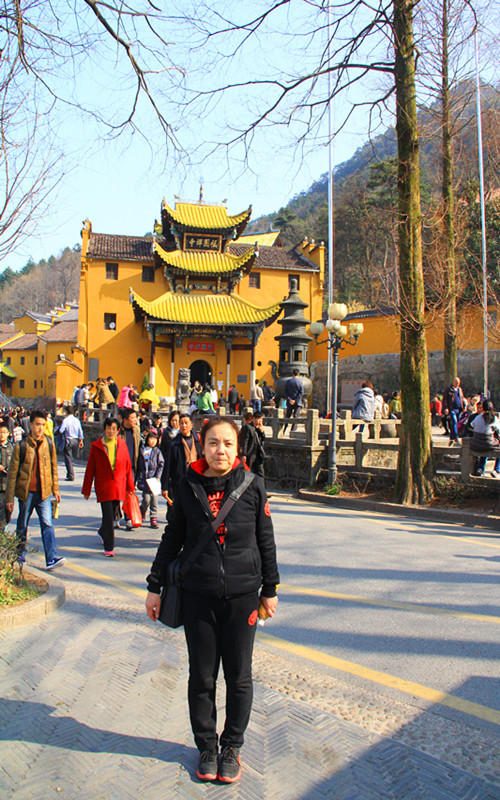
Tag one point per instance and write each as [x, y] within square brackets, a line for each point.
[110, 512]
[219, 629]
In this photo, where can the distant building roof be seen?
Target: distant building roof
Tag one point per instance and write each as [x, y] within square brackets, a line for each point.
[385, 311]
[68, 316]
[26, 342]
[7, 328]
[264, 238]
[45, 318]
[275, 258]
[61, 332]
[5, 336]
[120, 248]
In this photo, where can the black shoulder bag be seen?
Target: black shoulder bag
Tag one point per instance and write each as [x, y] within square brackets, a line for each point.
[171, 608]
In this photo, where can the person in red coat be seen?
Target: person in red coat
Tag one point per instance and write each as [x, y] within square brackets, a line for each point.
[110, 469]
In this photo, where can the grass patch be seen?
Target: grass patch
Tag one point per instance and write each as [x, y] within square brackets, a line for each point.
[15, 586]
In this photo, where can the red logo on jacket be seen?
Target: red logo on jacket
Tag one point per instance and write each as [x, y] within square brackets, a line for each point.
[252, 619]
[267, 510]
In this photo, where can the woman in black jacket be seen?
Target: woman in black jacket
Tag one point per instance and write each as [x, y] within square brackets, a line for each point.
[221, 592]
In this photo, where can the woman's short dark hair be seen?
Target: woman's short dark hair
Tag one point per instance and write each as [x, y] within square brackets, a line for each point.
[109, 421]
[213, 421]
[488, 411]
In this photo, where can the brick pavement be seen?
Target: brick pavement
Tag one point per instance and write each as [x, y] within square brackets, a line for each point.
[94, 708]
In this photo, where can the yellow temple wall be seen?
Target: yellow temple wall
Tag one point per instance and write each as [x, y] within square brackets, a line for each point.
[28, 325]
[118, 350]
[381, 334]
[29, 372]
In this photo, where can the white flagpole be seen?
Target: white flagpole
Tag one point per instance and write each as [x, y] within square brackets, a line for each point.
[483, 220]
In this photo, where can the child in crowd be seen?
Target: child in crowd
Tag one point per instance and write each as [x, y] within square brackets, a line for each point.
[149, 465]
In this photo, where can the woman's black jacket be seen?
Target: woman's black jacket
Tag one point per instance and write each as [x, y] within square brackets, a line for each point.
[245, 562]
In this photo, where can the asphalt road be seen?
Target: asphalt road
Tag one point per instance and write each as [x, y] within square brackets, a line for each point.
[405, 606]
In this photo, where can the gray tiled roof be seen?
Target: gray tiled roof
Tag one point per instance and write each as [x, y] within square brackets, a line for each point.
[120, 248]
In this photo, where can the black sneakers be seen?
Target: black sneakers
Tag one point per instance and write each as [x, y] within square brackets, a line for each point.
[55, 562]
[229, 764]
[207, 768]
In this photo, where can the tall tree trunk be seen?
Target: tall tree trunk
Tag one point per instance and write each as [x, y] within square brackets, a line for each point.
[415, 463]
[450, 289]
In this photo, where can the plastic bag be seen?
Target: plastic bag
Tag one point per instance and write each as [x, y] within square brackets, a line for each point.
[132, 510]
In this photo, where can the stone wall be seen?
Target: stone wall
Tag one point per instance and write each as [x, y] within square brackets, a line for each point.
[383, 371]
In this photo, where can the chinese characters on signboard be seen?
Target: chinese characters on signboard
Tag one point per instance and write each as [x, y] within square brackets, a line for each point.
[199, 243]
[201, 347]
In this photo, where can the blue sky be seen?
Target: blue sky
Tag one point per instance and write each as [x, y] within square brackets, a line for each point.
[119, 183]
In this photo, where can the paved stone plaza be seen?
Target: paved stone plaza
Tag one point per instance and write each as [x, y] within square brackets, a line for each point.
[94, 695]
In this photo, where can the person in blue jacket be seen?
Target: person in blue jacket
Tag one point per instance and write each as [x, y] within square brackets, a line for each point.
[149, 465]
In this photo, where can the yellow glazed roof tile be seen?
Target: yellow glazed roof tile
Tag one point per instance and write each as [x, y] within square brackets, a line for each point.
[208, 309]
[204, 262]
[205, 217]
[264, 239]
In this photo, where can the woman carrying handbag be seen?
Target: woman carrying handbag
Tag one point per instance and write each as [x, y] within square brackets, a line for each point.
[110, 469]
[221, 591]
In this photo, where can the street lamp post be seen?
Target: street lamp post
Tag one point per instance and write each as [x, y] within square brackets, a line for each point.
[337, 340]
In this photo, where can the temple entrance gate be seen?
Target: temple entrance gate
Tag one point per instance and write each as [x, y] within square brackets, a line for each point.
[201, 371]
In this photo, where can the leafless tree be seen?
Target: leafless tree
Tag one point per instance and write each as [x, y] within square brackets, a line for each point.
[107, 61]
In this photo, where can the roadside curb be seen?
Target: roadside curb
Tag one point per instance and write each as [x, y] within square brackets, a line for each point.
[36, 609]
[467, 518]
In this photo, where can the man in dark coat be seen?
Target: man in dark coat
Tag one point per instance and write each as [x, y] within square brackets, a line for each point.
[233, 398]
[294, 389]
[252, 442]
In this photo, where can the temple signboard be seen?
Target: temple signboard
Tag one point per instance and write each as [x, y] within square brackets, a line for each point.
[203, 244]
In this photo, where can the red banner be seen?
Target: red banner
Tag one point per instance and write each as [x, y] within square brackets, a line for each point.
[201, 347]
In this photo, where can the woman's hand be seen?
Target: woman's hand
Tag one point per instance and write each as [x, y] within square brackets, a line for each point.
[153, 602]
[269, 604]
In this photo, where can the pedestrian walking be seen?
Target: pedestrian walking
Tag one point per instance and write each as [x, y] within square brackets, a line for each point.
[294, 390]
[233, 397]
[256, 397]
[454, 404]
[363, 407]
[110, 470]
[6, 448]
[32, 478]
[252, 438]
[486, 436]
[185, 448]
[72, 432]
[221, 591]
[149, 465]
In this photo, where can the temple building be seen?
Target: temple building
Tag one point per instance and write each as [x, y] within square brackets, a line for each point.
[199, 293]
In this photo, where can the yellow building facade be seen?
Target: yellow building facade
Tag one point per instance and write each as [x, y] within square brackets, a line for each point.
[44, 362]
[200, 294]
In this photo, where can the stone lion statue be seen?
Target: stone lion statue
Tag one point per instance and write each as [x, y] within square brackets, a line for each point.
[183, 390]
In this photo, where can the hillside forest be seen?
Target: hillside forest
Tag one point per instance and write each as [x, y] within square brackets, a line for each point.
[365, 210]
[365, 215]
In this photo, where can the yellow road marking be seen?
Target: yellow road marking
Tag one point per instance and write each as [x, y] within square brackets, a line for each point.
[384, 679]
[380, 518]
[90, 573]
[421, 609]
[444, 536]
[415, 607]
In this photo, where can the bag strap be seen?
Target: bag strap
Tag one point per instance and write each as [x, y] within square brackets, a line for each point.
[213, 526]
